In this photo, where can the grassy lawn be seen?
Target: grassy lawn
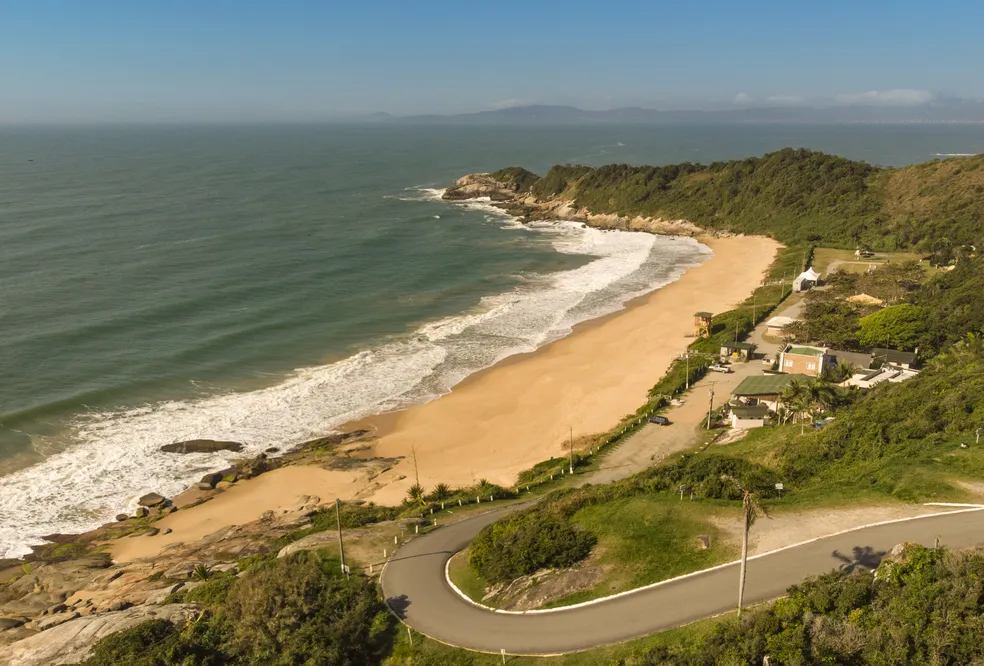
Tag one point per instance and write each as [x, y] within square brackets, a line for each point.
[641, 540]
[427, 652]
[824, 256]
[647, 539]
[931, 475]
[466, 578]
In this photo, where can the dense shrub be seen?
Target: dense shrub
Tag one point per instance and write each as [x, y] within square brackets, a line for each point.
[796, 196]
[297, 611]
[527, 542]
[289, 611]
[926, 609]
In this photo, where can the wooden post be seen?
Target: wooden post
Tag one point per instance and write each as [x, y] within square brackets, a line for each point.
[341, 549]
[572, 449]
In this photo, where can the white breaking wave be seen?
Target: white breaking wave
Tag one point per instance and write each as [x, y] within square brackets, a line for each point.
[117, 456]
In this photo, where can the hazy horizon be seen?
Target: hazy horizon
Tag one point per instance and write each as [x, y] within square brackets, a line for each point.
[302, 61]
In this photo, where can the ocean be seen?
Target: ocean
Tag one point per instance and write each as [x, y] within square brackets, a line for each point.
[266, 284]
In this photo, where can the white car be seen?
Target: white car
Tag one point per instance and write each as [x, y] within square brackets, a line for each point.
[717, 367]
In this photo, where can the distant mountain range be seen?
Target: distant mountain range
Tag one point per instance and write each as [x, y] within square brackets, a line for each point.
[951, 111]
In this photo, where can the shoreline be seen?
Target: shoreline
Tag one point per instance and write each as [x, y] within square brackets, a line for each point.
[508, 417]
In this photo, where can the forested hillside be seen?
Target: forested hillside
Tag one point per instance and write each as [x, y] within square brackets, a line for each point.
[792, 195]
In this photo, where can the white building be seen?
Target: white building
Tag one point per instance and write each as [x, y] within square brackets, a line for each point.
[806, 280]
[886, 373]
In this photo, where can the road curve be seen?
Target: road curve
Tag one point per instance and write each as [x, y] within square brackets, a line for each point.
[415, 587]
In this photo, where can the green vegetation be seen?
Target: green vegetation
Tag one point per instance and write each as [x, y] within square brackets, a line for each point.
[897, 327]
[293, 610]
[649, 538]
[925, 608]
[795, 196]
[527, 542]
[518, 178]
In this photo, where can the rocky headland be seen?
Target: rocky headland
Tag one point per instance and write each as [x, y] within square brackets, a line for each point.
[514, 194]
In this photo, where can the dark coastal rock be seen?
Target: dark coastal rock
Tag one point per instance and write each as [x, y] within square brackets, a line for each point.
[120, 517]
[201, 446]
[11, 622]
[256, 466]
[152, 499]
[209, 480]
[272, 449]
[141, 512]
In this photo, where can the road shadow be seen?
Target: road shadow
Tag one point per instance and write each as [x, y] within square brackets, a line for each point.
[399, 605]
[861, 558]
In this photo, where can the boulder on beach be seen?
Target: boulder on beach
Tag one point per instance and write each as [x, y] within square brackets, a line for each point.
[152, 499]
[201, 446]
[209, 480]
[120, 517]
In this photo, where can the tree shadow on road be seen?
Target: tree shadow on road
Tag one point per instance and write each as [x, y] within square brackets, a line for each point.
[399, 605]
[862, 558]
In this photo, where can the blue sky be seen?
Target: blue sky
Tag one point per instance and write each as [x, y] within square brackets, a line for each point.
[214, 60]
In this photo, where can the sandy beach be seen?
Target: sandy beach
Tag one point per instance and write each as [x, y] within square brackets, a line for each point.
[505, 419]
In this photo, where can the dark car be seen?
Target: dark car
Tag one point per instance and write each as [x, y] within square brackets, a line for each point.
[659, 420]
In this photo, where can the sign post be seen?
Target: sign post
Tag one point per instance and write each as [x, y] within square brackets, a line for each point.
[779, 487]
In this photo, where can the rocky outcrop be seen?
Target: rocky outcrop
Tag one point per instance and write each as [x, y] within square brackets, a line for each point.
[151, 500]
[201, 446]
[480, 185]
[528, 208]
[70, 641]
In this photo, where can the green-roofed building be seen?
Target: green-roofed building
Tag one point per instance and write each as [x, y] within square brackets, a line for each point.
[764, 389]
[804, 360]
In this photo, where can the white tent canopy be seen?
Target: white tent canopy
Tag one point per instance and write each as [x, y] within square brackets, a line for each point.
[809, 274]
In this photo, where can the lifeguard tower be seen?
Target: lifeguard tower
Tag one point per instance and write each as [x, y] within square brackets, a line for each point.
[702, 324]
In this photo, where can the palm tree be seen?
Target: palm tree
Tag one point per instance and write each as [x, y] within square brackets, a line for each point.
[750, 510]
[821, 394]
[415, 493]
[441, 492]
[793, 396]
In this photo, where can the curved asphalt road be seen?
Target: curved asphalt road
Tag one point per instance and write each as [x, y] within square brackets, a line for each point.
[415, 587]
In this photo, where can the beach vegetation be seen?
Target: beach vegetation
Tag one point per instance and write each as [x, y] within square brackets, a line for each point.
[292, 610]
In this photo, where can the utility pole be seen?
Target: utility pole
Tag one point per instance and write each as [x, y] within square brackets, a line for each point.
[416, 474]
[341, 549]
[710, 406]
[572, 449]
[753, 309]
[978, 433]
[688, 369]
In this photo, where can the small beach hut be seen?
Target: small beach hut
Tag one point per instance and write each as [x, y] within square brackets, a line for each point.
[806, 280]
[702, 324]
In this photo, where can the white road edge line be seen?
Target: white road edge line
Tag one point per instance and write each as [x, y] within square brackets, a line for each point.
[447, 564]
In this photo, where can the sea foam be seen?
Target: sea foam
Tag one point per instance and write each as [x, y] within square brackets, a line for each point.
[117, 456]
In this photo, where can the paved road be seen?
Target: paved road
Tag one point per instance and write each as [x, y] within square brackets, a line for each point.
[414, 585]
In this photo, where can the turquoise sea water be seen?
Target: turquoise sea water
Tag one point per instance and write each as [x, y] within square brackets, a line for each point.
[266, 283]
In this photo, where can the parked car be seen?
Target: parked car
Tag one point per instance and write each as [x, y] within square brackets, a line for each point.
[717, 367]
[658, 420]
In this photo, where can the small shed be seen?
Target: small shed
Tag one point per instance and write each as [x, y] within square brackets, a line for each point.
[806, 280]
[753, 416]
[775, 326]
[702, 324]
[737, 350]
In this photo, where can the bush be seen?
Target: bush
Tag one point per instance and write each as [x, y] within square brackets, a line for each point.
[925, 609]
[527, 542]
[295, 611]
[292, 610]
